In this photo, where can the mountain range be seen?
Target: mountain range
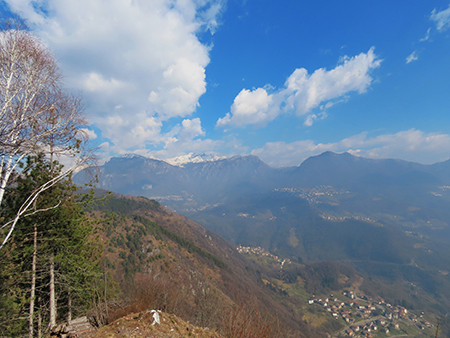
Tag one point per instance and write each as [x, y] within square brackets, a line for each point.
[389, 219]
[198, 184]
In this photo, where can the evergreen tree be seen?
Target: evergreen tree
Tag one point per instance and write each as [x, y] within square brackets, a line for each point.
[50, 267]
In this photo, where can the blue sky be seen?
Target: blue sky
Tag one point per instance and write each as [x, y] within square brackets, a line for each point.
[283, 80]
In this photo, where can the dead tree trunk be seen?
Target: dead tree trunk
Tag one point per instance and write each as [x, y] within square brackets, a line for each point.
[33, 285]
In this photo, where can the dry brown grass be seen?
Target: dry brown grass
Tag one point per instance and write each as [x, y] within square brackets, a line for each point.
[148, 293]
[244, 321]
[140, 325]
[200, 305]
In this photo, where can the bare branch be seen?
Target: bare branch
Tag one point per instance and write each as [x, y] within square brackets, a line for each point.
[27, 205]
[32, 213]
[36, 114]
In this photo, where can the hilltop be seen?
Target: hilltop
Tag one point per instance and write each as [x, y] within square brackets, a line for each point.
[145, 324]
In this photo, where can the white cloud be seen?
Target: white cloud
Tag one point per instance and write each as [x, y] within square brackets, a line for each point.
[183, 139]
[311, 118]
[104, 146]
[88, 133]
[307, 92]
[183, 84]
[138, 63]
[441, 18]
[303, 92]
[27, 9]
[427, 36]
[412, 57]
[130, 130]
[411, 145]
[96, 83]
[192, 128]
[250, 107]
[211, 14]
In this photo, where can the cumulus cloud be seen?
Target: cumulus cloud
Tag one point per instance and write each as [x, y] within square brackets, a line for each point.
[411, 145]
[96, 83]
[182, 139]
[412, 57]
[441, 19]
[137, 63]
[302, 92]
[191, 129]
[250, 107]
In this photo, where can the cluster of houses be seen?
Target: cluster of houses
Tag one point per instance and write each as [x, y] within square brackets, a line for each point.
[368, 329]
[313, 195]
[329, 217]
[258, 251]
[365, 320]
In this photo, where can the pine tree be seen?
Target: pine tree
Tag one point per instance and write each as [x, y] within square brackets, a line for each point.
[50, 267]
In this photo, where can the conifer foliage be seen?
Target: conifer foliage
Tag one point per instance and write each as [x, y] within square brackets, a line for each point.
[37, 115]
[49, 268]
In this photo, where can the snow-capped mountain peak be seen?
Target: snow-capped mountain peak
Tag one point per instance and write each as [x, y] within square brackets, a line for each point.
[180, 161]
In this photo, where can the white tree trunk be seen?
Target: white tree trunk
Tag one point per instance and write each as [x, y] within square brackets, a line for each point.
[5, 171]
[34, 107]
[52, 294]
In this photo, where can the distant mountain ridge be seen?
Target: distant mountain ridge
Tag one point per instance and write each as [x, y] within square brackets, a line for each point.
[335, 186]
[140, 176]
[206, 179]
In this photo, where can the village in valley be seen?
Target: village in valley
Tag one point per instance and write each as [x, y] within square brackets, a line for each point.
[366, 317]
[258, 251]
[363, 316]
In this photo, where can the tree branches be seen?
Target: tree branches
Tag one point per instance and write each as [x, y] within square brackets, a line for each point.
[37, 116]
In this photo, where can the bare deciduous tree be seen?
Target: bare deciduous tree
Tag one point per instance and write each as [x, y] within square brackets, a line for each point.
[36, 114]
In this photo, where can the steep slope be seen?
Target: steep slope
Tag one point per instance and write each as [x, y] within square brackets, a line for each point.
[357, 173]
[165, 261]
[136, 175]
[240, 175]
[190, 186]
[289, 226]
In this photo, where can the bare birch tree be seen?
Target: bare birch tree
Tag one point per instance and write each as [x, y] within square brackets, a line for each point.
[36, 114]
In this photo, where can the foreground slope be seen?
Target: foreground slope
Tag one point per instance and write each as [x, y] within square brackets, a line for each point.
[145, 325]
[165, 261]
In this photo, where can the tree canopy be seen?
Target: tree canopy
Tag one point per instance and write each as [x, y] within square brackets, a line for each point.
[37, 115]
[51, 249]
